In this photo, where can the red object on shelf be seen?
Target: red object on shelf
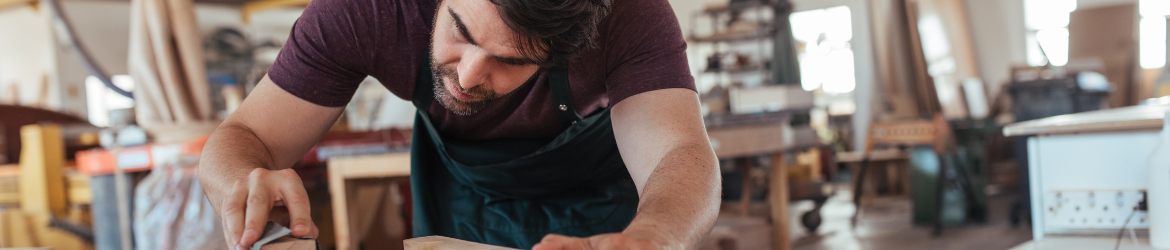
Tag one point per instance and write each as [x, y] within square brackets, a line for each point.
[141, 158]
[133, 158]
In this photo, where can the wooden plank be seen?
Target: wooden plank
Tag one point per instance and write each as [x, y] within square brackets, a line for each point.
[747, 140]
[745, 198]
[9, 170]
[778, 197]
[340, 207]
[365, 201]
[1108, 34]
[77, 189]
[385, 165]
[290, 243]
[22, 233]
[874, 155]
[924, 84]
[445, 243]
[42, 159]
[252, 7]
[342, 168]
[6, 231]
[9, 3]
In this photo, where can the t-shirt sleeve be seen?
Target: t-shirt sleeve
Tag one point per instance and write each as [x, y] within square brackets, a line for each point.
[646, 50]
[323, 61]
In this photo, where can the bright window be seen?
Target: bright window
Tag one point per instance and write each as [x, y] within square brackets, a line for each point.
[1152, 32]
[1047, 24]
[100, 100]
[826, 58]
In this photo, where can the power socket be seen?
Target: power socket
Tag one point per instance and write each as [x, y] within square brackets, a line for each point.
[1093, 209]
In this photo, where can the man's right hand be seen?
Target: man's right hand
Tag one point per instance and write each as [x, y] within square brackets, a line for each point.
[272, 129]
[265, 195]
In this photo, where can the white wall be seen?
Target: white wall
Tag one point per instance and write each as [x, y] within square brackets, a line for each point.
[26, 57]
[104, 29]
[997, 28]
[29, 51]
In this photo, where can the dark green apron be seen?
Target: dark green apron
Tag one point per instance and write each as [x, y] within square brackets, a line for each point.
[510, 192]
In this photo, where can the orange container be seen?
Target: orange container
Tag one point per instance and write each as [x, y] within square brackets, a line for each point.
[134, 158]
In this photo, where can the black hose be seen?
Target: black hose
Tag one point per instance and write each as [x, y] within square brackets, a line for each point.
[66, 30]
[85, 233]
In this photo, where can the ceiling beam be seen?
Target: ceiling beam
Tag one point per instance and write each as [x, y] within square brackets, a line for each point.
[4, 4]
[252, 7]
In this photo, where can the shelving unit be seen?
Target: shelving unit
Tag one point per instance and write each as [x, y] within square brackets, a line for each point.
[735, 29]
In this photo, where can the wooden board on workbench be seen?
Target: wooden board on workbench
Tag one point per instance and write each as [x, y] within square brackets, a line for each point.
[743, 141]
[290, 243]
[445, 243]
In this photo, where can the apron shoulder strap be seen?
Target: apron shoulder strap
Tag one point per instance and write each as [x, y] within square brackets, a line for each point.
[558, 80]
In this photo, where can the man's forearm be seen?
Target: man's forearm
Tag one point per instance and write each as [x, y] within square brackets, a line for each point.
[681, 200]
[231, 153]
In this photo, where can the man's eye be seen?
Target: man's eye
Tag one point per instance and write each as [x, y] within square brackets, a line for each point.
[455, 30]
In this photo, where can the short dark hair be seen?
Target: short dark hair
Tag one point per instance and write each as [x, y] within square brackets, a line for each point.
[557, 29]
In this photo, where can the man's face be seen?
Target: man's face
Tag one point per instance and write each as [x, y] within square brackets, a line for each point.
[474, 56]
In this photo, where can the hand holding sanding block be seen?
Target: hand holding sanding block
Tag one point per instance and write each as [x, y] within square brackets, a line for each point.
[276, 237]
[445, 243]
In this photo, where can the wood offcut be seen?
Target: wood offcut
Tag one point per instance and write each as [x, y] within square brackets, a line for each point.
[445, 243]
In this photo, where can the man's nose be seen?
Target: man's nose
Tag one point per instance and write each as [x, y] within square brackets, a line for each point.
[474, 69]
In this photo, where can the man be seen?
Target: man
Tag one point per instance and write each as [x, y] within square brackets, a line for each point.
[551, 124]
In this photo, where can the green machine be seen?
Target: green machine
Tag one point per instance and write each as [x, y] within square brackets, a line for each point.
[964, 198]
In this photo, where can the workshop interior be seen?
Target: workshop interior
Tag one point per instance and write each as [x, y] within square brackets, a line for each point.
[837, 124]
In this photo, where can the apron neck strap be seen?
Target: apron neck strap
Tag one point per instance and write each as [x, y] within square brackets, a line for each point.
[558, 80]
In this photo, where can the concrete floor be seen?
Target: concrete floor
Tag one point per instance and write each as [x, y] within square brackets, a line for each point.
[886, 224]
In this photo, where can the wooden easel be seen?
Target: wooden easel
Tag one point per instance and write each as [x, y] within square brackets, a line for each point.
[935, 133]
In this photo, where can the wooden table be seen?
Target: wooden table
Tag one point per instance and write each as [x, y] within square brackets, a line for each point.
[341, 169]
[744, 136]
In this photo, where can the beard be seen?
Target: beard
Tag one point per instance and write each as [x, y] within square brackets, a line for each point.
[446, 74]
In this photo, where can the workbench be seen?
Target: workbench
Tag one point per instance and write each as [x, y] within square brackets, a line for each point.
[1098, 158]
[353, 208]
[738, 136]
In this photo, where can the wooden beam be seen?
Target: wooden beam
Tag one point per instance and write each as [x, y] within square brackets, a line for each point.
[778, 197]
[385, 165]
[9, 3]
[745, 141]
[290, 243]
[342, 168]
[250, 8]
[42, 160]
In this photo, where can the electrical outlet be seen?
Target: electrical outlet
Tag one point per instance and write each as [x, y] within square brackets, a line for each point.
[1092, 209]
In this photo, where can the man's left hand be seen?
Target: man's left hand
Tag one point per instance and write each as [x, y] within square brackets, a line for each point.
[610, 241]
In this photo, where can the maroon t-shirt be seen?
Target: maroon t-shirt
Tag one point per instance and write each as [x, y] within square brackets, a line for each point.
[337, 43]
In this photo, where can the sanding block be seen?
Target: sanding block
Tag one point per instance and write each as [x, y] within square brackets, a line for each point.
[276, 237]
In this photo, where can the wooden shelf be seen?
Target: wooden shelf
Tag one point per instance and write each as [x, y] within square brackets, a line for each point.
[726, 7]
[732, 36]
[745, 69]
